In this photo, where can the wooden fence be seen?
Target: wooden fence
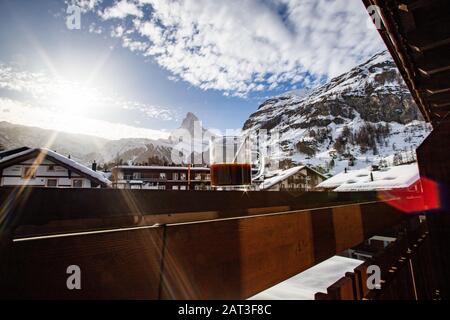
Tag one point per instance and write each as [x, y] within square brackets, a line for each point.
[407, 271]
[227, 246]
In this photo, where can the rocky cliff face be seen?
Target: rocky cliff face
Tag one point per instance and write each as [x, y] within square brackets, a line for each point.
[365, 114]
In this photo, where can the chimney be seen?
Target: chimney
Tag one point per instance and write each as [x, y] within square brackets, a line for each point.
[345, 170]
[371, 176]
[94, 166]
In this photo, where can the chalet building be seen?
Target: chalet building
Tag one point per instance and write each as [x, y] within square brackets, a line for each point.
[300, 178]
[39, 167]
[403, 177]
[161, 177]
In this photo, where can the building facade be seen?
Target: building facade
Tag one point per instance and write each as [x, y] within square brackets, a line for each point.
[300, 178]
[46, 168]
[161, 178]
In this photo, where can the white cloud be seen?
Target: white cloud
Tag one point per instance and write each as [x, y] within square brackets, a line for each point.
[120, 10]
[85, 5]
[240, 46]
[36, 99]
[17, 112]
[43, 90]
[93, 28]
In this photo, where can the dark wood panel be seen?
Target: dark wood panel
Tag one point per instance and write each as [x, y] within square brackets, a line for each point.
[118, 265]
[245, 256]
[229, 258]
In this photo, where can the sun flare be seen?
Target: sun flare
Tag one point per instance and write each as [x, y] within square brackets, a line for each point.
[73, 99]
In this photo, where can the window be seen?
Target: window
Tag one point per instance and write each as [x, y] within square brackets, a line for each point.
[29, 172]
[162, 175]
[137, 175]
[161, 187]
[52, 182]
[198, 176]
[77, 183]
[182, 187]
[51, 168]
[175, 176]
[182, 176]
[174, 187]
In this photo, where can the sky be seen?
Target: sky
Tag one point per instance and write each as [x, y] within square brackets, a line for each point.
[134, 68]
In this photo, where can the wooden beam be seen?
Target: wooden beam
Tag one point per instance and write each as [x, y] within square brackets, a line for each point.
[430, 37]
[438, 99]
[411, 5]
[396, 44]
[434, 61]
[52, 205]
[434, 83]
[444, 107]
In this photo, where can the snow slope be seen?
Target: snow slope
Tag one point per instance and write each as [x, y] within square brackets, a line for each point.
[370, 98]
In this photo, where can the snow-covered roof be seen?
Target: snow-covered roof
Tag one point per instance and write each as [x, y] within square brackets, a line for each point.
[282, 175]
[162, 168]
[359, 180]
[267, 183]
[62, 159]
[9, 152]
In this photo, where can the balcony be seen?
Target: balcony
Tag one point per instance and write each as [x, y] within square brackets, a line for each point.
[204, 244]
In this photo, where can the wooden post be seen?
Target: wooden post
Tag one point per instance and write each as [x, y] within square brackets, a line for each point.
[434, 164]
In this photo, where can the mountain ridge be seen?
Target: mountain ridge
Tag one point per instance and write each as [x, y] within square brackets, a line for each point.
[354, 119]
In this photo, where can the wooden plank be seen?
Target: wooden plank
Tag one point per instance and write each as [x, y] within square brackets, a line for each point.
[232, 258]
[46, 205]
[348, 228]
[361, 278]
[118, 265]
[234, 254]
[357, 294]
[434, 61]
[321, 296]
[341, 289]
[431, 37]
[236, 258]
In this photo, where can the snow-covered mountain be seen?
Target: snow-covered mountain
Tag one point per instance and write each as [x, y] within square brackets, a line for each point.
[85, 148]
[355, 119]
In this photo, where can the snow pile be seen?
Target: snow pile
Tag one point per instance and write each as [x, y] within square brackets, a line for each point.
[316, 279]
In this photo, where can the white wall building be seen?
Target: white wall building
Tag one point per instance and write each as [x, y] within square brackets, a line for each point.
[45, 168]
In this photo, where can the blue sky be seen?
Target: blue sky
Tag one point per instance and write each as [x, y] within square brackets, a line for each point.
[136, 67]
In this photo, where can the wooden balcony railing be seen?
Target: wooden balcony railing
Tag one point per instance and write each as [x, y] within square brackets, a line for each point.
[170, 245]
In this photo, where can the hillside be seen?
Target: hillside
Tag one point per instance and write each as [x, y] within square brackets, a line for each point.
[354, 120]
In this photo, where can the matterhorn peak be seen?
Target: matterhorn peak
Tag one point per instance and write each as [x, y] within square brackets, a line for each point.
[188, 121]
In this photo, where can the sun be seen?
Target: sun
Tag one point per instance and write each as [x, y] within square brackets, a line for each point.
[73, 99]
